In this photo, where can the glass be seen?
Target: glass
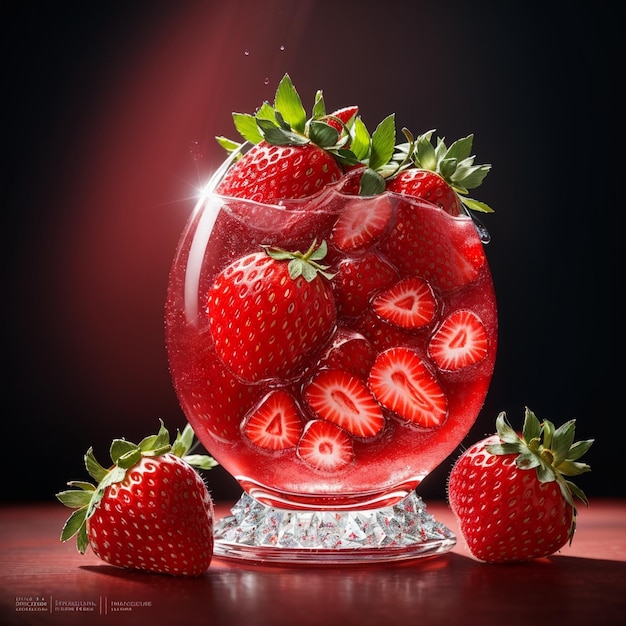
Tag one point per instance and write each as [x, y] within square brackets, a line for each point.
[363, 508]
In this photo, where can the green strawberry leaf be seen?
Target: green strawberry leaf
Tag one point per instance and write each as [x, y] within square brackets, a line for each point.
[319, 107]
[503, 448]
[532, 426]
[424, 154]
[322, 134]
[577, 491]
[281, 123]
[527, 460]
[447, 167]
[505, 432]
[183, 442]
[288, 104]
[228, 144]
[200, 461]
[73, 524]
[95, 470]
[562, 441]
[545, 474]
[361, 140]
[80, 484]
[461, 149]
[571, 468]
[372, 183]
[468, 175]
[130, 458]
[383, 143]
[247, 127]
[75, 498]
[578, 449]
[120, 448]
[278, 136]
[475, 205]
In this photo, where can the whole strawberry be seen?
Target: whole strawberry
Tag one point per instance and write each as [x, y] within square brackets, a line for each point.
[269, 311]
[440, 174]
[509, 491]
[292, 156]
[149, 511]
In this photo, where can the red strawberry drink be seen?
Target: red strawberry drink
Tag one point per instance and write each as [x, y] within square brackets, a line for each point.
[345, 391]
[332, 347]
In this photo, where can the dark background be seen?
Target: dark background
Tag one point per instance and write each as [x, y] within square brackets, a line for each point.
[110, 113]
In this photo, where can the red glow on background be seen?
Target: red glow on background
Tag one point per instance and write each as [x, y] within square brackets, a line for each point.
[145, 149]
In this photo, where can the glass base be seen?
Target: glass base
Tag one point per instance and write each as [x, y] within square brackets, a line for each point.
[257, 532]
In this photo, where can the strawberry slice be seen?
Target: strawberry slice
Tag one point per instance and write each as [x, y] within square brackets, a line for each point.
[362, 222]
[403, 384]
[410, 303]
[345, 400]
[460, 341]
[325, 446]
[275, 424]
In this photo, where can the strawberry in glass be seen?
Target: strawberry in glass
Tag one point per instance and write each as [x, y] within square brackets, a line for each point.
[331, 329]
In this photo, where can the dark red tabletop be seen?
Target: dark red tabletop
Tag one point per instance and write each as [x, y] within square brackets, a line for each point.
[43, 581]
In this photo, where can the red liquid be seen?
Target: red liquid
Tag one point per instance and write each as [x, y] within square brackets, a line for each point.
[388, 466]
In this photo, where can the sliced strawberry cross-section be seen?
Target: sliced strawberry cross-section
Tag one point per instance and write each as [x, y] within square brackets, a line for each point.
[361, 223]
[410, 303]
[461, 341]
[276, 423]
[342, 398]
[325, 446]
[402, 383]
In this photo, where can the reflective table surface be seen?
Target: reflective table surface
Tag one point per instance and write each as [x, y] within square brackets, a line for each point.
[43, 581]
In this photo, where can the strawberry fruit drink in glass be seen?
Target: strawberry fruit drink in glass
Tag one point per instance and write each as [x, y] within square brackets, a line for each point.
[331, 329]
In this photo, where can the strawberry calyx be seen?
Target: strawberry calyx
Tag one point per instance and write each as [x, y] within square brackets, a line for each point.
[550, 451]
[454, 163]
[85, 496]
[285, 123]
[343, 134]
[304, 264]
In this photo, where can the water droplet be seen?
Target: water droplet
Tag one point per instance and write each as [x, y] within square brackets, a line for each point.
[481, 229]
[282, 48]
[247, 52]
[266, 81]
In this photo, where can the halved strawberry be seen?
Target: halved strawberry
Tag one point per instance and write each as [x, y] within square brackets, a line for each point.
[361, 223]
[460, 341]
[276, 423]
[358, 278]
[402, 383]
[345, 400]
[410, 303]
[325, 446]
